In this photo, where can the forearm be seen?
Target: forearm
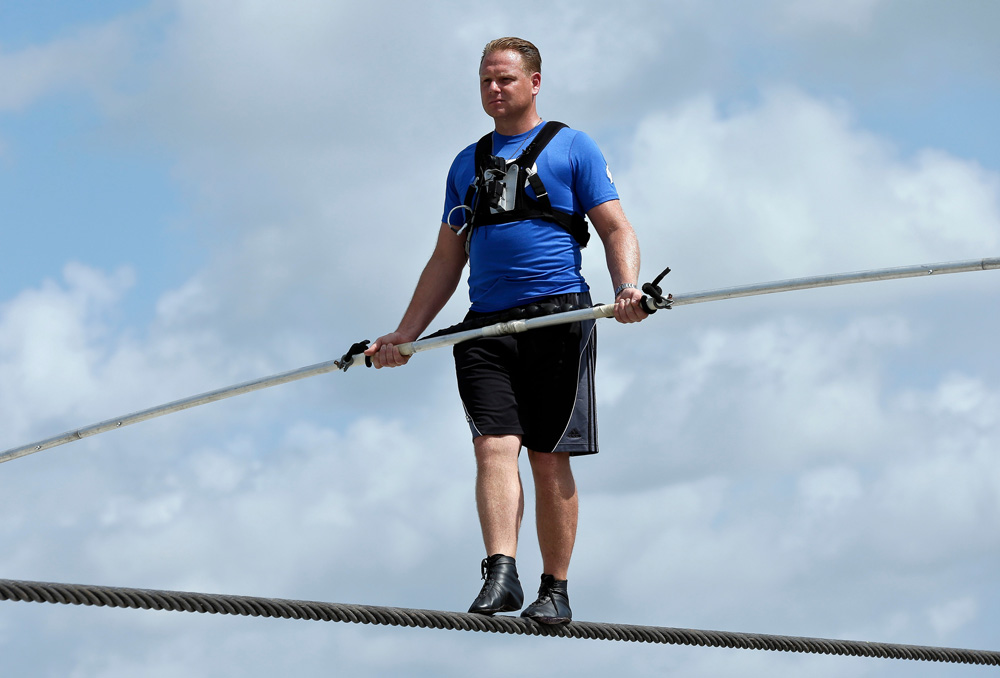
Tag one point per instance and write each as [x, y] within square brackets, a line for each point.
[434, 288]
[621, 246]
[621, 249]
[436, 284]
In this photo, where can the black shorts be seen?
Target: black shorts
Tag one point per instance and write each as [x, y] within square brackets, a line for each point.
[537, 384]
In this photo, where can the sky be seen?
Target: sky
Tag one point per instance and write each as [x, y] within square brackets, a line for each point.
[196, 194]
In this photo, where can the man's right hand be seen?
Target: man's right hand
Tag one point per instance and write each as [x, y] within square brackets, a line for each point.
[385, 352]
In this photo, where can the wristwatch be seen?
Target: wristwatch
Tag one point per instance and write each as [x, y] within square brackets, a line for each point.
[623, 286]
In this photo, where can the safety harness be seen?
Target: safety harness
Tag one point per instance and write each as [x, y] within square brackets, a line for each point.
[497, 193]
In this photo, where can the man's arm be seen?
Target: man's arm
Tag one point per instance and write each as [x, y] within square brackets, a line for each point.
[621, 248]
[437, 283]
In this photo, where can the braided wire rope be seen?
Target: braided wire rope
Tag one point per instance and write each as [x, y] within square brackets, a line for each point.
[178, 601]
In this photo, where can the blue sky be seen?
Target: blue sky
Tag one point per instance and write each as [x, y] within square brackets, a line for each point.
[194, 194]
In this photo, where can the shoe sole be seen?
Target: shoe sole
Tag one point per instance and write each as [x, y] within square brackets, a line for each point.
[490, 613]
[551, 621]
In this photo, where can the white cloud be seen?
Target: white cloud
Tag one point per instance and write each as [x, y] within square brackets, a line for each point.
[950, 616]
[80, 62]
[853, 15]
[50, 339]
[791, 187]
[819, 483]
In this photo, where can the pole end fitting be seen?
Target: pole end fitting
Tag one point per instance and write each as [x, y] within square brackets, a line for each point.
[654, 299]
[347, 360]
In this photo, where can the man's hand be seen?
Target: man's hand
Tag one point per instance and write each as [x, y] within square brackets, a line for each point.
[627, 306]
[385, 351]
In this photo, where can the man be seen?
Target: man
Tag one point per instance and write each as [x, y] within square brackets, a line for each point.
[522, 236]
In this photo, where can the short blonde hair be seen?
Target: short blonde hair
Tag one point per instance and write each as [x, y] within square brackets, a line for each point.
[531, 59]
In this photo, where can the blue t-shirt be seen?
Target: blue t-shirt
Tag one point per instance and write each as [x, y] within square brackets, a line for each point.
[516, 263]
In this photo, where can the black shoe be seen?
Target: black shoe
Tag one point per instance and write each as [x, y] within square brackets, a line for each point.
[502, 590]
[552, 606]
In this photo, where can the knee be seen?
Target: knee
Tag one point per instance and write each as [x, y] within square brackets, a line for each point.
[549, 466]
[497, 450]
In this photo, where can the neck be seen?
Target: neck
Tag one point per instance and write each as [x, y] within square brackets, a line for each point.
[510, 128]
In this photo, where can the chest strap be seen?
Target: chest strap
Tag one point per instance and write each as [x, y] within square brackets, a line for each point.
[488, 195]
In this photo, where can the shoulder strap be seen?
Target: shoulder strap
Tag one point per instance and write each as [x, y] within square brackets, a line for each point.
[541, 140]
[574, 223]
[484, 149]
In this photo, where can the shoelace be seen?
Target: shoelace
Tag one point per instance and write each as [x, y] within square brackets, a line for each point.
[544, 595]
[487, 582]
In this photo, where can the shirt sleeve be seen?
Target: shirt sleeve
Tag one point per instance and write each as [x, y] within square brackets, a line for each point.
[459, 178]
[593, 184]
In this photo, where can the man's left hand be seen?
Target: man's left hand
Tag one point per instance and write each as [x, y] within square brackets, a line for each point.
[627, 306]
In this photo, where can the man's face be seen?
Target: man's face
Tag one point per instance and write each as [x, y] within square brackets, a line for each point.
[506, 90]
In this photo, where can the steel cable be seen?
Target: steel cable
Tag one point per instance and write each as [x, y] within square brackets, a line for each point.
[178, 601]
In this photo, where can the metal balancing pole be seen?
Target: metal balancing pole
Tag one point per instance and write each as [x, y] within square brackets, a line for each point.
[653, 301]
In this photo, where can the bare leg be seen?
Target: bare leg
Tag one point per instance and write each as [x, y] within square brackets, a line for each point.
[556, 510]
[499, 494]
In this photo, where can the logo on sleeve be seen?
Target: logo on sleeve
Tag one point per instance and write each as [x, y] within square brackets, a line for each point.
[607, 168]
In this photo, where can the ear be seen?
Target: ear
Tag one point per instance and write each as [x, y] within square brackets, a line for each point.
[536, 82]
